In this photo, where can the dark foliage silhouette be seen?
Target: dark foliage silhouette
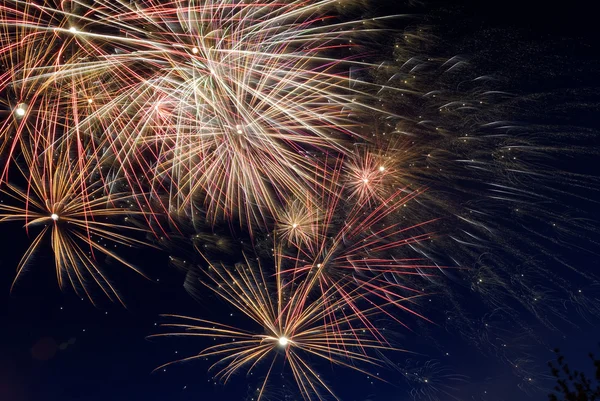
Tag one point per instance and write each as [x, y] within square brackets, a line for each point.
[574, 385]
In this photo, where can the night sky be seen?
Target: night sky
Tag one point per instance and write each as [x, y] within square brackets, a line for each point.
[55, 346]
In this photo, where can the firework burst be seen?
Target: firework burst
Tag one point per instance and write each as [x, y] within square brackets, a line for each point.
[254, 113]
[294, 325]
[76, 215]
[364, 249]
[228, 104]
[371, 174]
[298, 223]
[321, 296]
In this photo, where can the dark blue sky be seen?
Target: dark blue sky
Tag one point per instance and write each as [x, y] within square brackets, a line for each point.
[55, 347]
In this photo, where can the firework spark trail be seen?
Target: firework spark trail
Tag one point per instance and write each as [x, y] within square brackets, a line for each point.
[293, 326]
[226, 103]
[239, 108]
[430, 380]
[343, 249]
[52, 100]
[502, 188]
[76, 215]
[371, 172]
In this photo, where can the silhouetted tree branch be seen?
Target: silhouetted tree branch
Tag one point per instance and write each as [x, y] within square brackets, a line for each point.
[574, 385]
